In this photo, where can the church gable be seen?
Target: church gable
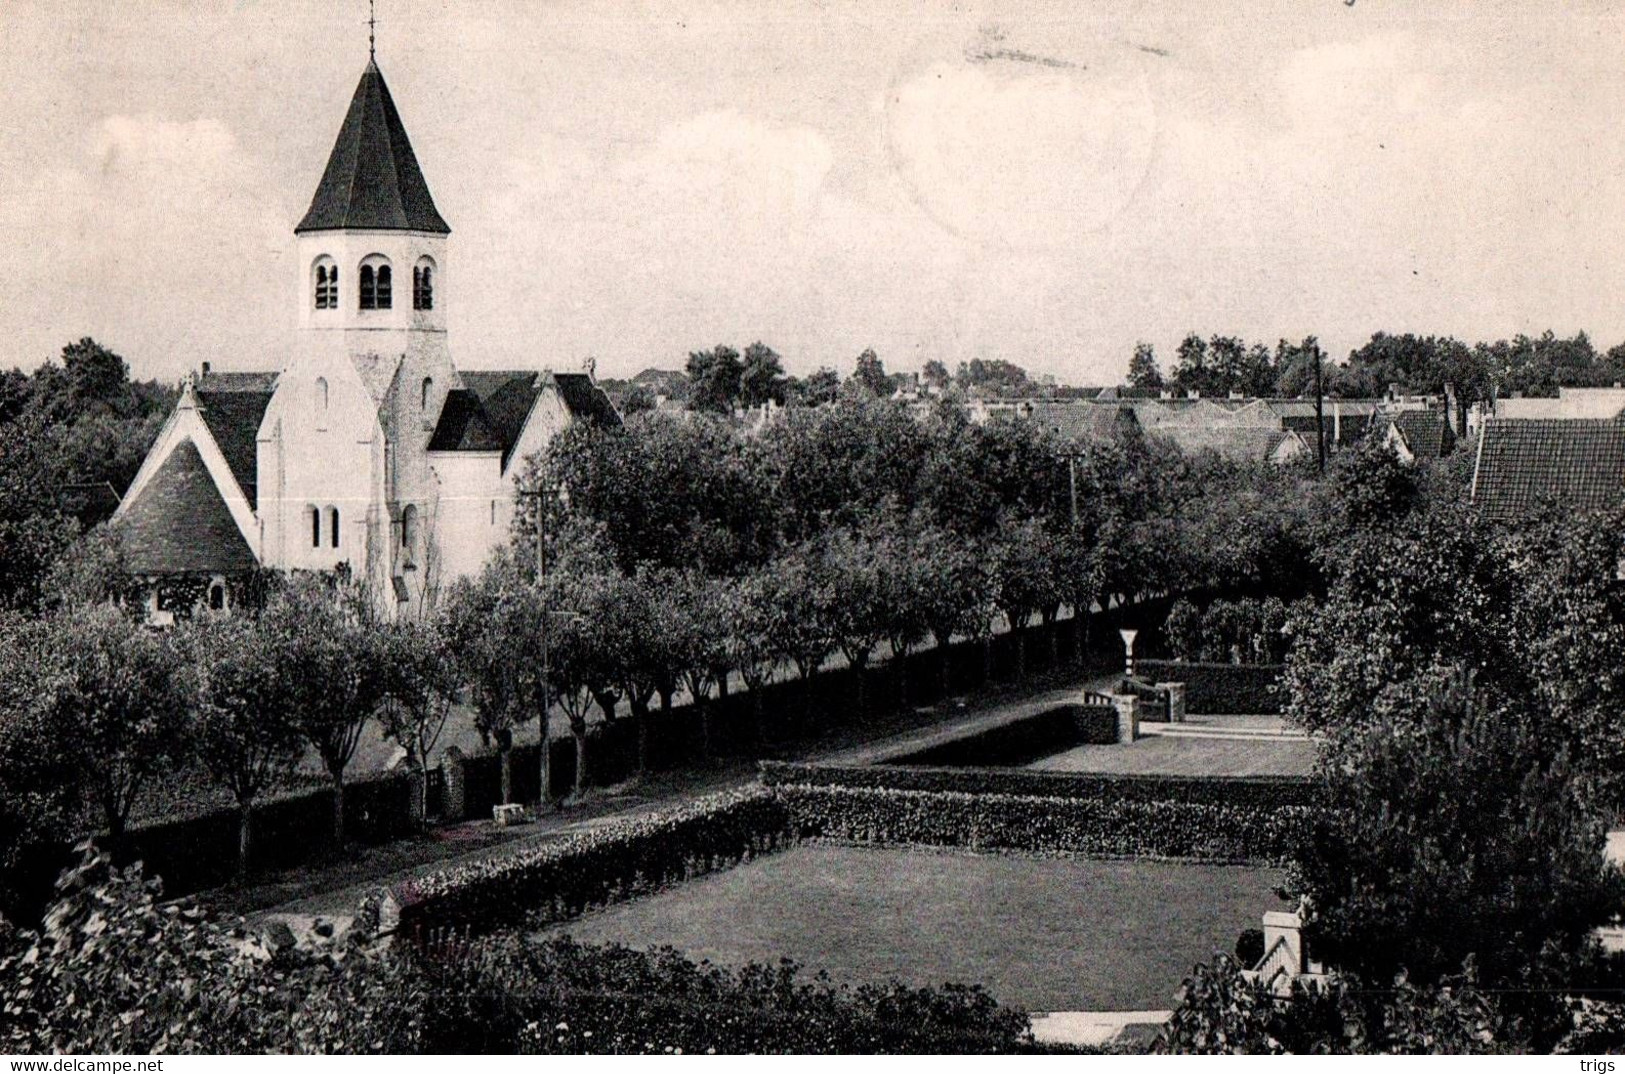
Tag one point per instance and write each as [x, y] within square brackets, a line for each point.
[178, 522]
[233, 405]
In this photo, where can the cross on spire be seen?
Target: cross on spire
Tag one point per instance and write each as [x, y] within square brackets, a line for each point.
[372, 31]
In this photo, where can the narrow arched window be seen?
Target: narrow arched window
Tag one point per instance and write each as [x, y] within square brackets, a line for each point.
[321, 395]
[217, 596]
[326, 284]
[423, 286]
[321, 287]
[315, 526]
[333, 526]
[428, 389]
[369, 289]
[409, 537]
[384, 300]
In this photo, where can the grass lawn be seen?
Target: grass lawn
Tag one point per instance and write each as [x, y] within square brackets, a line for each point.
[1172, 756]
[1045, 933]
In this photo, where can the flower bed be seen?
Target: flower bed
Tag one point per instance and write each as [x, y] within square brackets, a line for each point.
[1252, 792]
[562, 878]
[1163, 829]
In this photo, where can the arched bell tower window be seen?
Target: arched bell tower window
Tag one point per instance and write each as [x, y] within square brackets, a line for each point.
[376, 284]
[333, 526]
[423, 285]
[314, 513]
[326, 284]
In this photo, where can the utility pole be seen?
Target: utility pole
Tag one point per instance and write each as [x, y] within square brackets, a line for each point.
[1320, 412]
[544, 734]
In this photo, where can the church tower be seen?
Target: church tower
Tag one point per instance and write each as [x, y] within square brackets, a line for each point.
[357, 399]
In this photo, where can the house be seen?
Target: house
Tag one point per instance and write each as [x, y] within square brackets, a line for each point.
[1525, 465]
[1415, 434]
[364, 447]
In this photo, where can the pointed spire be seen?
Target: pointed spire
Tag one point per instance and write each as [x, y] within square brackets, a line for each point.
[372, 178]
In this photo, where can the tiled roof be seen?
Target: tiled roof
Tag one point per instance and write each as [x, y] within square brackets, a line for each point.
[232, 405]
[586, 400]
[372, 178]
[487, 413]
[1243, 443]
[1527, 463]
[180, 523]
[1083, 420]
[1424, 431]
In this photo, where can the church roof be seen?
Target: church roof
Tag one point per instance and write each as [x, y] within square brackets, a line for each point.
[488, 412]
[232, 405]
[180, 523]
[372, 178]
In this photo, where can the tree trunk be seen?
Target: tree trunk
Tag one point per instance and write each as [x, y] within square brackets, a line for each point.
[987, 659]
[1021, 653]
[1051, 642]
[245, 840]
[640, 713]
[423, 795]
[578, 731]
[507, 771]
[901, 660]
[946, 665]
[758, 715]
[858, 688]
[338, 808]
[1080, 636]
[545, 794]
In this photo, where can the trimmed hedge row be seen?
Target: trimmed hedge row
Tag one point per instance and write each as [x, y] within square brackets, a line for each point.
[1220, 689]
[1252, 792]
[1022, 741]
[1036, 824]
[561, 879]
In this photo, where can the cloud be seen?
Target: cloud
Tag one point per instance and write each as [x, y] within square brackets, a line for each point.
[1025, 158]
[157, 228]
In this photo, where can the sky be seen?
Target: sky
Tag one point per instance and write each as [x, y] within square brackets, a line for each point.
[1042, 182]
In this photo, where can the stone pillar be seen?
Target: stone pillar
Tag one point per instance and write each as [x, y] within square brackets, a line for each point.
[1280, 924]
[414, 796]
[454, 803]
[1128, 717]
[1175, 692]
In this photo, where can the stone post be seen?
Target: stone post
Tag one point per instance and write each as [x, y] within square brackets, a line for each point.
[1175, 692]
[1287, 924]
[1128, 717]
[456, 795]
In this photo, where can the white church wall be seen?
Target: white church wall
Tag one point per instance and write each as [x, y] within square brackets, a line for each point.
[473, 511]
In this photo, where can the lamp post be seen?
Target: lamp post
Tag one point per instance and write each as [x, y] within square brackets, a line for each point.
[1128, 636]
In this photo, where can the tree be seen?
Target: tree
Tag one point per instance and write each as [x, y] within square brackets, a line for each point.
[638, 401]
[935, 375]
[800, 627]
[33, 531]
[870, 375]
[700, 623]
[851, 569]
[762, 380]
[244, 730]
[337, 671]
[115, 700]
[955, 591]
[494, 628]
[420, 684]
[820, 388]
[748, 637]
[1023, 568]
[714, 378]
[1142, 368]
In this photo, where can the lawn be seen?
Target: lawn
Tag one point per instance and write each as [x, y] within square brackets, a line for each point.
[1045, 933]
[1179, 756]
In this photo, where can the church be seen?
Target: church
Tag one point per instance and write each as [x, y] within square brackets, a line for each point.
[367, 448]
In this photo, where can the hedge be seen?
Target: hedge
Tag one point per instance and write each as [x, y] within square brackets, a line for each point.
[1022, 741]
[562, 878]
[1220, 689]
[1253, 792]
[1030, 823]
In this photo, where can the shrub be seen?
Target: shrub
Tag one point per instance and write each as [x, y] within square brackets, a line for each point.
[1184, 630]
[559, 996]
[1220, 689]
[1252, 792]
[1026, 823]
[561, 878]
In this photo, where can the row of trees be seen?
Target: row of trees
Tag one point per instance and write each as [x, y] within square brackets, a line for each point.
[98, 707]
[1528, 365]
